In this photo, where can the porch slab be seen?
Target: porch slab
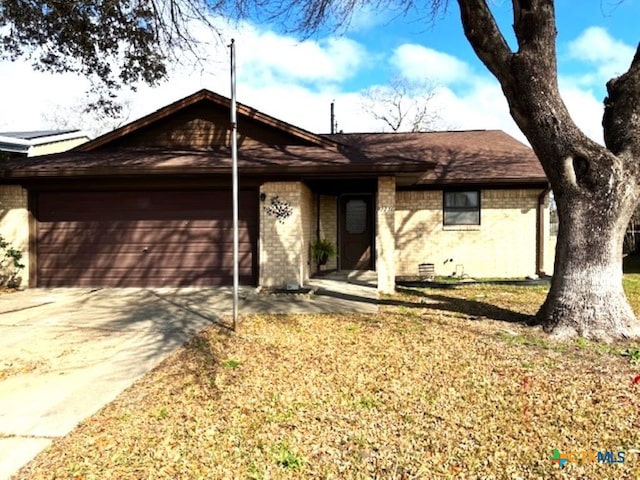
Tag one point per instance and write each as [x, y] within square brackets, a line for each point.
[365, 278]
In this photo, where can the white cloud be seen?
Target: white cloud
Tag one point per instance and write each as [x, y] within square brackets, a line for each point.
[606, 56]
[417, 62]
[483, 106]
[365, 17]
[275, 73]
[264, 57]
[26, 92]
[309, 109]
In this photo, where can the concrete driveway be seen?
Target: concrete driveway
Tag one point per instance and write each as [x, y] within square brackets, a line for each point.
[65, 353]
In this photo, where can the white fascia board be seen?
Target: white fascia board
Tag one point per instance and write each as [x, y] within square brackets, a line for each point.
[58, 138]
[15, 142]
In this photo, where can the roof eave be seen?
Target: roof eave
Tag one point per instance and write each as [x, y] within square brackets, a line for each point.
[267, 171]
[479, 183]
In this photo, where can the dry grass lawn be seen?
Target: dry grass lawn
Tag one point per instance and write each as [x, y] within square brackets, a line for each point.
[440, 384]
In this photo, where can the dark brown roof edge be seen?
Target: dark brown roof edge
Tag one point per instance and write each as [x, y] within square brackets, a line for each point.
[267, 170]
[502, 182]
[192, 99]
[471, 181]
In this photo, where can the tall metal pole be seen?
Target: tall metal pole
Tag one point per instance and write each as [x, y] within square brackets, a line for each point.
[234, 181]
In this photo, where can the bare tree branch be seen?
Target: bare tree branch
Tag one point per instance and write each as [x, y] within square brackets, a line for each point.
[94, 122]
[535, 26]
[403, 105]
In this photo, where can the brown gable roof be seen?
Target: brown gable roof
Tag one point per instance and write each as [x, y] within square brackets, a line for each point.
[203, 96]
[434, 158]
[140, 148]
[461, 157]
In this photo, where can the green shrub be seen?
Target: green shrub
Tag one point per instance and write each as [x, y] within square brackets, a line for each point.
[10, 264]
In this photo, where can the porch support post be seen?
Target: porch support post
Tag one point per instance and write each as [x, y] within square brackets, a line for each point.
[285, 234]
[385, 234]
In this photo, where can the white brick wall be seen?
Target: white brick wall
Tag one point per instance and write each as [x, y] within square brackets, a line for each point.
[504, 245]
[385, 233]
[409, 231]
[14, 223]
[284, 245]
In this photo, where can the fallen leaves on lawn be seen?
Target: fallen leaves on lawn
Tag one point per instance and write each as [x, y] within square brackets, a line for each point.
[440, 386]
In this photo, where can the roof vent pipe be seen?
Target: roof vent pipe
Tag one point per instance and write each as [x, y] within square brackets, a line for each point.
[333, 117]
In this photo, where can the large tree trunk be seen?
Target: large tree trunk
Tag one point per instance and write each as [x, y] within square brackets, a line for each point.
[586, 296]
[596, 188]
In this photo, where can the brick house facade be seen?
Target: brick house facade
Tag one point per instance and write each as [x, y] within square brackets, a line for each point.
[148, 204]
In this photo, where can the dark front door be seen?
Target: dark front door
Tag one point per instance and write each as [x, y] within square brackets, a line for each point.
[356, 232]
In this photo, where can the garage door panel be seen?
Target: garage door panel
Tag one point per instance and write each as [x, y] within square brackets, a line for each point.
[106, 226]
[168, 238]
[80, 233]
[152, 205]
[117, 279]
[148, 261]
[73, 250]
[127, 274]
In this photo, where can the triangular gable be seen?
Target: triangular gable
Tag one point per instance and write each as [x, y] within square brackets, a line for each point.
[202, 121]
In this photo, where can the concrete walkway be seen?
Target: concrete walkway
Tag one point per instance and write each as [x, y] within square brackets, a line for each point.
[65, 353]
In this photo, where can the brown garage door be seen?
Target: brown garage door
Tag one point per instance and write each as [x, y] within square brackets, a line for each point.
[143, 238]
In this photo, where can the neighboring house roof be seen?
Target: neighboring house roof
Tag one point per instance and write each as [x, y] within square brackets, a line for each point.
[191, 136]
[32, 135]
[29, 142]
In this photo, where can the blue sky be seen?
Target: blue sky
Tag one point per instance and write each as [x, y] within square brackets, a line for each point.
[296, 80]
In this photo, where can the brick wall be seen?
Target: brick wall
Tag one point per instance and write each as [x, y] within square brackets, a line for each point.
[284, 244]
[385, 229]
[504, 245]
[14, 223]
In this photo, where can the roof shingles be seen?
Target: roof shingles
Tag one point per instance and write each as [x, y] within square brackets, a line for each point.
[477, 156]
[432, 158]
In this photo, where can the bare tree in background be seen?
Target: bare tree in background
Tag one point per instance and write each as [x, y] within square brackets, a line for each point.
[94, 122]
[403, 105]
